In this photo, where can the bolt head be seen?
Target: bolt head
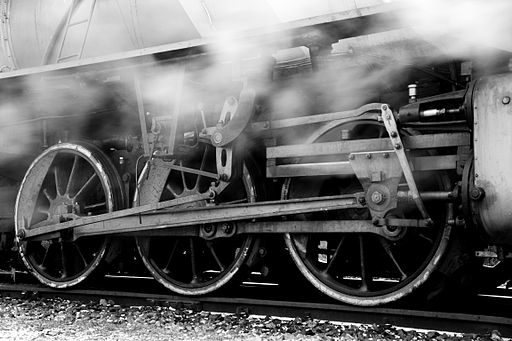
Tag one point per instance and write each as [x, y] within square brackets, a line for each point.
[377, 197]
[227, 228]
[217, 137]
[476, 193]
[21, 234]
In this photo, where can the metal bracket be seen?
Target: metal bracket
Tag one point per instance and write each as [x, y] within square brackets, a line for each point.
[379, 174]
[226, 132]
[228, 165]
[389, 122]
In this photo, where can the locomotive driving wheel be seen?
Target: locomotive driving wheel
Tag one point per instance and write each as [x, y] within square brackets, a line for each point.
[194, 265]
[66, 181]
[362, 268]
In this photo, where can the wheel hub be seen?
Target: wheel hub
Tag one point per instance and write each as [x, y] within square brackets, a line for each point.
[62, 206]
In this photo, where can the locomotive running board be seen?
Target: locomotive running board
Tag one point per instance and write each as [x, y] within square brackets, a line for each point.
[145, 218]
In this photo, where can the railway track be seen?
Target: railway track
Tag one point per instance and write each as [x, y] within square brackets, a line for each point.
[450, 321]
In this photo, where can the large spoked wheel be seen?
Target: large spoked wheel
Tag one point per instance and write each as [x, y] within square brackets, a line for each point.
[66, 181]
[191, 265]
[360, 268]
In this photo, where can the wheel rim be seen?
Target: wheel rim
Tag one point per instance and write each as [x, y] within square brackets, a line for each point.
[365, 269]
[65, 182]
[193, 265]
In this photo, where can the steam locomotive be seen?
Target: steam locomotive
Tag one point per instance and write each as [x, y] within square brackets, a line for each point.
[368, 149]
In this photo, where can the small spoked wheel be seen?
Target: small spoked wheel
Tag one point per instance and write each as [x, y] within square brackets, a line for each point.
[193, 265]
[67, 181]
[363, 268]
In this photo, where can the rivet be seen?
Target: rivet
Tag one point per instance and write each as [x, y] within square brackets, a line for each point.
[385, 155]
[217, 137]
[368, 156]
[351, 157]
[394, 134]
[398, 146]
[505, 100]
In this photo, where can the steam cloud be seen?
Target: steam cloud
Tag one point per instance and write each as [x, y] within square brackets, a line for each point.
[365, 66]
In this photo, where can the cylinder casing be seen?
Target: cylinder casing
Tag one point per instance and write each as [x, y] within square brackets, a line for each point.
[492, 111]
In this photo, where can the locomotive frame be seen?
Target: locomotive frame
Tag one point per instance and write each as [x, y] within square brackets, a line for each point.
[391, 185]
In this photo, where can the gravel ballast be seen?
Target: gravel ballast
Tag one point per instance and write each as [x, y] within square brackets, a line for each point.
[45, 319]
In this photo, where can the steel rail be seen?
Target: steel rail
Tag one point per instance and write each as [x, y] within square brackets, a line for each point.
[411, 318]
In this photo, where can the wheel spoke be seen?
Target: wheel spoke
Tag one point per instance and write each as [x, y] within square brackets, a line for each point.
[47, 249]
[193, 263]
[47, 195]
[183, 180]
[387, 247]
[93, 206]
[86, 185]
[364, 278]
[43, 211]
[334, 256]
[64, 263]
[214, 254]
[382, 132]
[72, 173]
[202, 167]
[422, 236]
[56, 176]
[165, 269]
[170, 189]
[80, 254]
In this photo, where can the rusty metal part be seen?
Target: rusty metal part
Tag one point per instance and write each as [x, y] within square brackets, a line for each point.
[389, 121]
[380, 174]
[492, 124]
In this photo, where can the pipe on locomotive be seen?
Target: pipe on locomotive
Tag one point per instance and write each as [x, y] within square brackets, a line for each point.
[486, 108]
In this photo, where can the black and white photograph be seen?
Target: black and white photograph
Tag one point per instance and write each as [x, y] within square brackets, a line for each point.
[255, 170]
